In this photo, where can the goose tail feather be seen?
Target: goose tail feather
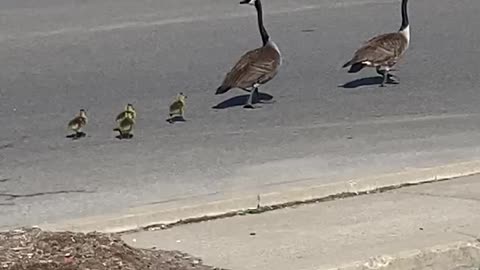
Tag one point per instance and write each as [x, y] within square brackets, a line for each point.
[222, 89]
[347, 64]
[356, 68]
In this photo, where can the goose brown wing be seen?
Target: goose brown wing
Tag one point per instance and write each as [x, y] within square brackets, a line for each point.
[256, 66]
[383, 49]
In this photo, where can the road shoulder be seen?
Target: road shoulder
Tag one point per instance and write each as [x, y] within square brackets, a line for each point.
[410, 228]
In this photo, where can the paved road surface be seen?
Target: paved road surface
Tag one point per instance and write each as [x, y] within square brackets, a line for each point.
[58, 56]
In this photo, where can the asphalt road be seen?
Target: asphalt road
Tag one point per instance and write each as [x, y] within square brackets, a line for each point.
[58, 56]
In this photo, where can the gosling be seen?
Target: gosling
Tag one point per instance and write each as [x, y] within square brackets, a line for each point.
[125, 121]
[125, 127]
[177, 108]
[77, 124]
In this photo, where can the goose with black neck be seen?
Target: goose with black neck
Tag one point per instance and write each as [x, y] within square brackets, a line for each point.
[255, 67]
[383, 51]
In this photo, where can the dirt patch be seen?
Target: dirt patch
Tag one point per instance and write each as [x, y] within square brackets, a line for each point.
[34, 249]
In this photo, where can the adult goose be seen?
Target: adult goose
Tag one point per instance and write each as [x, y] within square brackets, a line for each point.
[383, 51]
[256, 67]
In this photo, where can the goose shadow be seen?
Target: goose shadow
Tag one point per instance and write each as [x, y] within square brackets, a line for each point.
[241, 100]
[377, 80]
[175, 119]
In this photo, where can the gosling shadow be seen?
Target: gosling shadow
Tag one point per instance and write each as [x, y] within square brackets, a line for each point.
[175, 119]
[124, 136]
[76, 136]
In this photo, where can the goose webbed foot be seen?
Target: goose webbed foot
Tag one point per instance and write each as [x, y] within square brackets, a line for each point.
[393, 79]
[249, 106]
[387, 77]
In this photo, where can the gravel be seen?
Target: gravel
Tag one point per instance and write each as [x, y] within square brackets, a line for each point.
[34, 249]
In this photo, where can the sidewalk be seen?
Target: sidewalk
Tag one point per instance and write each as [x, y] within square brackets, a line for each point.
[432, 226]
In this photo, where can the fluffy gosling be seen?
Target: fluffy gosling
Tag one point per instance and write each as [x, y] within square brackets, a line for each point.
[77, 124]
[125, 121]
[177, 109]
[125, 127]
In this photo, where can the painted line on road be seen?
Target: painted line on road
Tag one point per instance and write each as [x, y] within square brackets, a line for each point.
[208, 208]
[378, 121]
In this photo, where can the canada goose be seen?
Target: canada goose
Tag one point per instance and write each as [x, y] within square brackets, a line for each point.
[256, 67]
[77, 123]
[177, 107]
[125, 126]
[129, 109]
[383, 51]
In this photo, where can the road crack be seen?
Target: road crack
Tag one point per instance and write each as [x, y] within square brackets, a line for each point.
[292, 204]
[11, 196]
[426, 194]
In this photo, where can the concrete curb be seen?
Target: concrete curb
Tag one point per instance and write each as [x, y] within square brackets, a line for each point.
[215, 205]
[454, 256]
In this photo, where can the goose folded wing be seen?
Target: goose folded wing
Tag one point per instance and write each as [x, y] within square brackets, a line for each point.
[381, 49]
[255, 66]
[372, 54]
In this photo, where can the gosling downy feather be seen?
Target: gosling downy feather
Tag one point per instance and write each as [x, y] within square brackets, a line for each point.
[79, 122]
[126, 121]
[255, 67]
[178, 105]
[125, 127]
[129, 109]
